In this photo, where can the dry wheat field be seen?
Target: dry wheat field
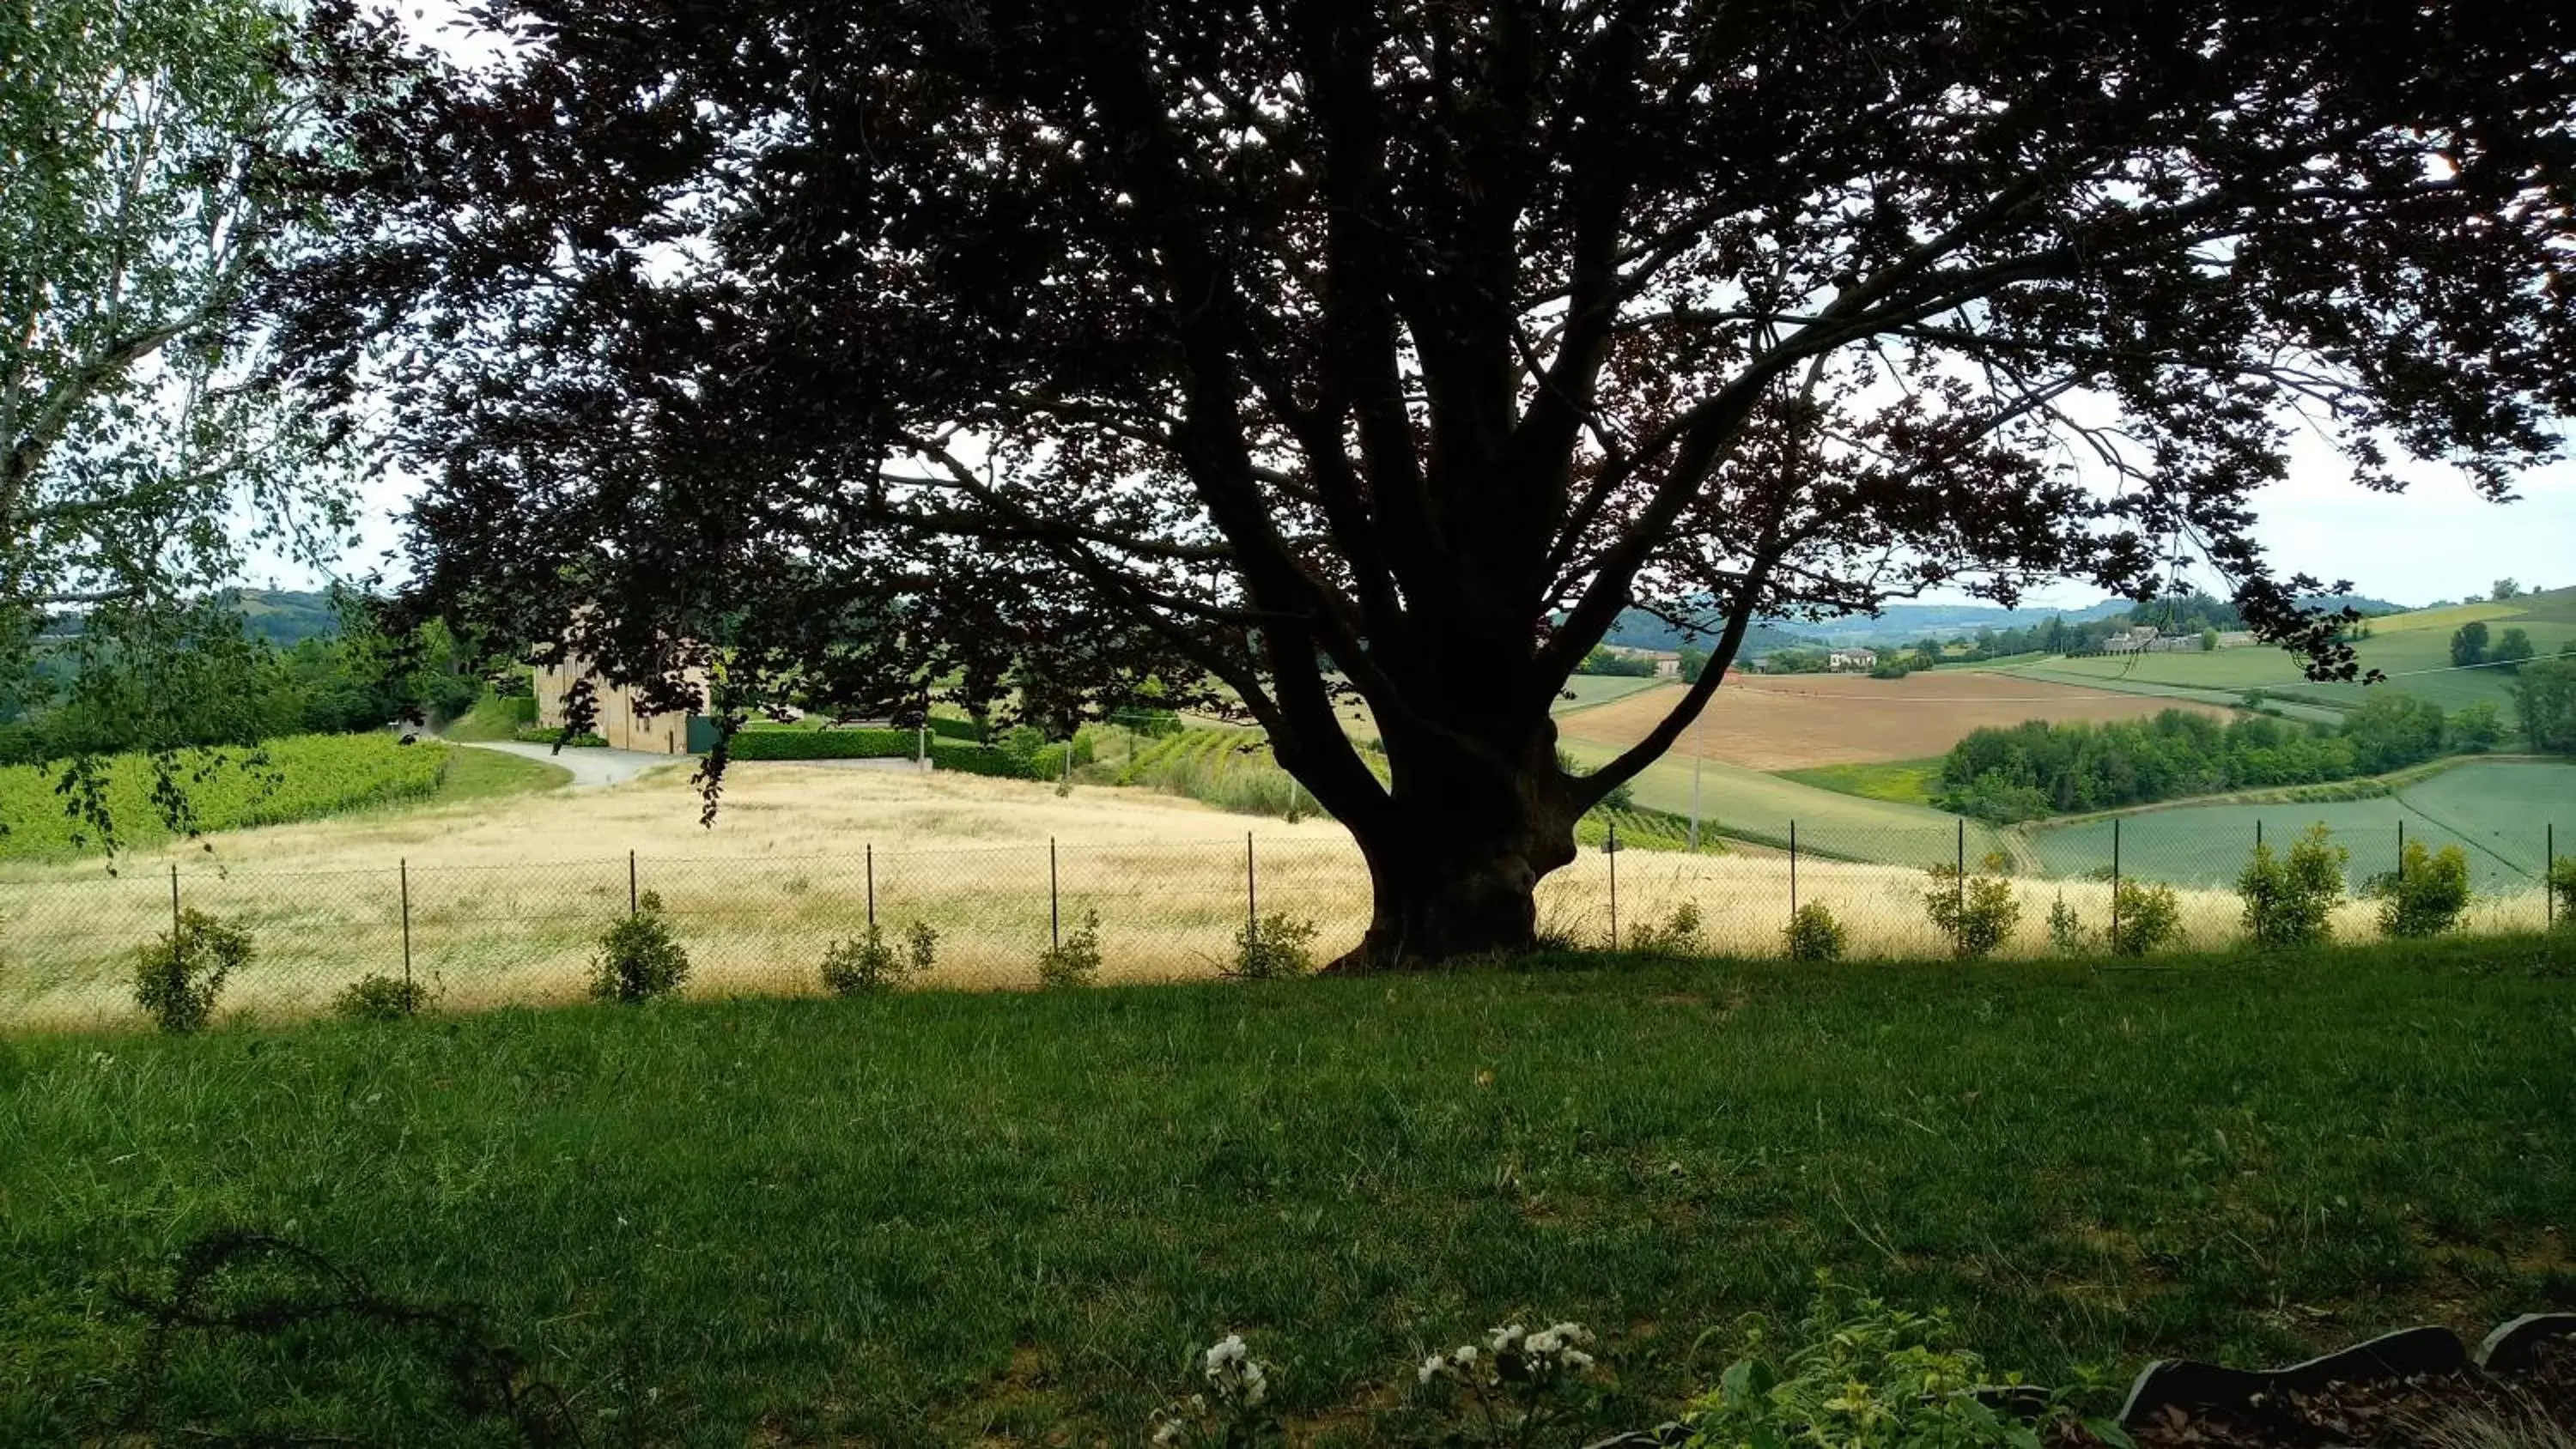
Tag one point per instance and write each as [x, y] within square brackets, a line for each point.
[503, 903]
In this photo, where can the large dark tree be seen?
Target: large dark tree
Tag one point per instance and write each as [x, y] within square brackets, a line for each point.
[1397, 347]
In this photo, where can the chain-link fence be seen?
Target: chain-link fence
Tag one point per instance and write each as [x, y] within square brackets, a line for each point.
[488, 935]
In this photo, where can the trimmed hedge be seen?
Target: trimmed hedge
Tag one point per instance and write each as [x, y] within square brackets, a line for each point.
[956, 729]
[979, 760]
[860, 744]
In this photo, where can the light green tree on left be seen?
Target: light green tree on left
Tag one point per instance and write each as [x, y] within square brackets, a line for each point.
[150, 155]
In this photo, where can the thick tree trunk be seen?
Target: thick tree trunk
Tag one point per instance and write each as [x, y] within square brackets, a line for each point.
[1456, 857]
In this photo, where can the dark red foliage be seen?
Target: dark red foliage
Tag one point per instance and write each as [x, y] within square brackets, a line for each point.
[1297, 346]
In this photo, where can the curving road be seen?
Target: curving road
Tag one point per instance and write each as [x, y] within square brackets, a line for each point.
[592, 769]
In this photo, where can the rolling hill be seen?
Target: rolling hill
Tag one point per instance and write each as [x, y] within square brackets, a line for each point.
[2412, 649]
[286, 617]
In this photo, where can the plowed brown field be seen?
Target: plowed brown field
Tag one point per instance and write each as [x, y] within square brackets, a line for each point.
[1790, 722]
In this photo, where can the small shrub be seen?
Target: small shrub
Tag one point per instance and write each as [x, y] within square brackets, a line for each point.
[1977, 914]
[2289, 902]
[639, 957]
[2066, 930]
[2562, 884]
[1676, 935]
[178, 978]
[870, 963]
[584, 740]
[2429, 894]
[1814, 935]
[1273, 949]
[2146, 918]
[1863, 1373]
[378, 997]
[861, 966]
[1075, 960]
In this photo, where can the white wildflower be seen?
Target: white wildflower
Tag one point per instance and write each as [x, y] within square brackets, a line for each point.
[1227, 1351]
[1507, 1339]
[1234, 1375]
[1170, 1432]
[1577, 1360]
[1433, 1367]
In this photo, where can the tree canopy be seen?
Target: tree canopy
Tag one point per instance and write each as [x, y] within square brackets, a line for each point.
[148, 160]
[1293, 349]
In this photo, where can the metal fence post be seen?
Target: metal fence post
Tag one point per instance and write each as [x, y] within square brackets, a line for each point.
[2549, 878]
[404, 866]
[2401, 851]
[2258, 832]
[1251, 901]
[1793, 870]
[174, 905]
[633, 900]
[2115, 885]
[1055, 902]
[1612, 850]
[872, 885]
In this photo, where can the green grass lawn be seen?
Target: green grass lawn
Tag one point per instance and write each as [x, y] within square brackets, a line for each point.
[493, 717]
[941, 1218]
[490, 774]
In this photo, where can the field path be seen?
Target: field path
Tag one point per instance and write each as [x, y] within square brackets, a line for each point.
[592, 769]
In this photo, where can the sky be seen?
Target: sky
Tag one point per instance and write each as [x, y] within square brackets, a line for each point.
[2438, 540]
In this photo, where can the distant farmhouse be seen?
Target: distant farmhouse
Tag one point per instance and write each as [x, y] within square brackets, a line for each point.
[1852, 659]
[619, 719]
[1667, 662]
[2145, 640]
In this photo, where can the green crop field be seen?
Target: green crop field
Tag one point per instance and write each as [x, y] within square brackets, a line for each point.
[304, 777]
[2500, 812]
[1905, 782]
[1014, 1218]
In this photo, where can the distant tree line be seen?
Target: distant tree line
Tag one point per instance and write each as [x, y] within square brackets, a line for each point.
[2470, 648]
[2038, 768]
[1605, 660]
[232, 687]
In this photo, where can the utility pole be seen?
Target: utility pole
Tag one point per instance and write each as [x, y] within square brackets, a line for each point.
[1699, 751]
